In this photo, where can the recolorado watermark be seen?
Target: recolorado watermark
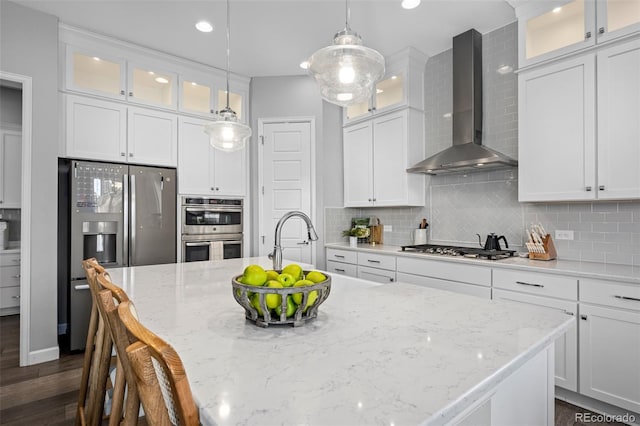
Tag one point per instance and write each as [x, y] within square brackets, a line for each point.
[601, 418]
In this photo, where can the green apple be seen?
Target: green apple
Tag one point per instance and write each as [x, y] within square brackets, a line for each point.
[254, 275]
[297, 297]
[273, 300]
[255, 302]
[316, 276]
[286, 280]
[291, 307]
[294, 270]
[272, 275]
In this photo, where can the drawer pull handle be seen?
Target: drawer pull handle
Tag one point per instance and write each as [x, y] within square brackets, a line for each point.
[569, 313]
[339, 270]
[529, 284]
[627, 298]
[583, 317]
[373, 261]
[339, 256]
[377, 275]
[15, 297]
[16, 276]
[15, 260]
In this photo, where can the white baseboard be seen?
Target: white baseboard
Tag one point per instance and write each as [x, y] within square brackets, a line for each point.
[596, 406]
[62, 328]
[44, 355]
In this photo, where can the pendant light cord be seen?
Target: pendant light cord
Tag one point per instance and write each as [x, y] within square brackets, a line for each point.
[228, 50]
[347, 13]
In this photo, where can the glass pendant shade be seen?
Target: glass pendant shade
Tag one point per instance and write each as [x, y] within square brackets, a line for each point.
[226, 133]
[347, 71]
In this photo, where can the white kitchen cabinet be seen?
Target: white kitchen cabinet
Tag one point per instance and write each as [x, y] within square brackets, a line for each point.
[344, 262]
[551, 29]
[559, 113]
[472, 280]
[377, 153]
[9, 283]
[11, 172]
[376, 267]
[110, 131]
[95, 73]
[619, 121]
[152, 85]
[402, 86]
[205, 170]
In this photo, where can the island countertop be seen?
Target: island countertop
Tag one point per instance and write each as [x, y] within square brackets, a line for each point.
[376, 354]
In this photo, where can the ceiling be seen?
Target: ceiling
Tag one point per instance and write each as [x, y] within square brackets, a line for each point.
[271, 38]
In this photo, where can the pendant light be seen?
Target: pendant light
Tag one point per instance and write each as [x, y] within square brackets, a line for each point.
[346, 71]
[226, 133]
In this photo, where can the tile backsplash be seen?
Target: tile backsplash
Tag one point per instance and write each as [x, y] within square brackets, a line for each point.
[459, 206]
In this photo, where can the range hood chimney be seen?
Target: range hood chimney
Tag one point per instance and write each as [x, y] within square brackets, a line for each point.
[467, 153]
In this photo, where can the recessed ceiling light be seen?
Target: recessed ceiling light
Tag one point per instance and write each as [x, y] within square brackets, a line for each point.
[151, 73]
[393, 77]
[204, 26]
[304, 65]
[162, 80]
[95, 58]
[410, 4]
[447, 115]
[556, 9]
[505, 69]
[193, 83]
[378, 91]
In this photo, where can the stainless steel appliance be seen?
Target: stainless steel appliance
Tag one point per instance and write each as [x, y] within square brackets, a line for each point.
[211, 229]
[473, 252]
[121, 215]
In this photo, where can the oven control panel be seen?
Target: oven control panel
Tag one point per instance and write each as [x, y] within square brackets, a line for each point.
[210, 201]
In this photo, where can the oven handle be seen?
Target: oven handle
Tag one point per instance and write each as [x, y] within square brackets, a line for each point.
[197, 244]
[212, 209]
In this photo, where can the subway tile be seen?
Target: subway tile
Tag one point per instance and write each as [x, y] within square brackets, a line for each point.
[618, 217]
[629, 206]
[581, 245]
[569, 255]
[591, 236]
[569, 217]
[618, 237]
[619, 258]
[636, 260]
[605, 207]
[579, 226]
[558, 208]
[579, 207]
[604, 227]
[604, 247]
[629, 227]
[629, 248]
[592, 217]
[590, 256]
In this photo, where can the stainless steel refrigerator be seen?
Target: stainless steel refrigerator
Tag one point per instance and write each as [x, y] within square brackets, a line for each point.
[123, 215]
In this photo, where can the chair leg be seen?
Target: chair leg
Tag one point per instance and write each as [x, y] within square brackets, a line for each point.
[86, 366]
[98, 385]
[118, 396]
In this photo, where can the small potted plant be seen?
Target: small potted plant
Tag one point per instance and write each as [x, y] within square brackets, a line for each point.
[355, 233]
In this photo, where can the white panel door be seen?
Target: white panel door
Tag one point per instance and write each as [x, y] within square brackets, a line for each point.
[358, 165]
[286, 159]
[389, 159]
[194, 165]
[610, 355]
[11, 173]
[556, 146]
[619, 121]
[153, 137]
[96, 130]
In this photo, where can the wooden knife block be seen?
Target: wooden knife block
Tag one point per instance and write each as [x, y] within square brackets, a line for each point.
[376, 234]
[549, 250]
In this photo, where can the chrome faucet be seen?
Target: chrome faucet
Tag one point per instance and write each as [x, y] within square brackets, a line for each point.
[276, 256]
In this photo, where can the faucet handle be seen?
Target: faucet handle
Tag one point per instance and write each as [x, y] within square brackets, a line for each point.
[270, 255]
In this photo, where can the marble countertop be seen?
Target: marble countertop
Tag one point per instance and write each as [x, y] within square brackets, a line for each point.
[376, 354]
[625, 273]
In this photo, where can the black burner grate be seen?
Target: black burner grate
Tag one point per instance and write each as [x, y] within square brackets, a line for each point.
[459, 251]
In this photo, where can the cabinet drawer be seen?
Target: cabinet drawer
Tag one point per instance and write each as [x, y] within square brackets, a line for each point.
[610, 294]
[536, 283]
[451, 271]
[345, 256]
[342, 268]
[9, 297]
[456, 287]
[377, 261]
[376, 275]
[9, 259]
[9, 276]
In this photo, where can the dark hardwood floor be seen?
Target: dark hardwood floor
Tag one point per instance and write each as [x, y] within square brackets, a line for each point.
[47, 393]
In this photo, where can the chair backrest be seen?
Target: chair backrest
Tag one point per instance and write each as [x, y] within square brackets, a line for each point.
[124, 408]
[162, 381]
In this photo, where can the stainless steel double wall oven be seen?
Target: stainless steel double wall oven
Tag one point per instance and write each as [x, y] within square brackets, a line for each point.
[211, 229]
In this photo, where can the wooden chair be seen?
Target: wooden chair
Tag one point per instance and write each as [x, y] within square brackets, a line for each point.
[125, 406]
[162, 381]
[97, 358]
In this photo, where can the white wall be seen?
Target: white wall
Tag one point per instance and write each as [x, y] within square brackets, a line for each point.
[298, 96]
[10, 106]
[29, 46]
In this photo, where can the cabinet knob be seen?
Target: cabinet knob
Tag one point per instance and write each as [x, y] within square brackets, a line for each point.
[212, 188]
[583, 317]
[131, 94]
[217, 189]
[122, 154]
[1, 201]
[369, 109]
[15, 297]
[587, 35]
[122, 92]
[375, 199]
[370, 199]
[131, 154]
[588, 188]
[212, 111]
[601, 30]
[601, 187]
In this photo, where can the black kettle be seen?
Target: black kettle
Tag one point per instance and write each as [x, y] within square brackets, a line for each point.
[493, 242]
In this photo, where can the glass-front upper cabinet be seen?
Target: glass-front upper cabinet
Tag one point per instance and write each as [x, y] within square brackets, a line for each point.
[389, 93]
[151, 86]
[555, 28]
[96, 74]
[197, 94]
[237, 99]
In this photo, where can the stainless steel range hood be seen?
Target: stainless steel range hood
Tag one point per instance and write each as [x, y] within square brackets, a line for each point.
[467, 153]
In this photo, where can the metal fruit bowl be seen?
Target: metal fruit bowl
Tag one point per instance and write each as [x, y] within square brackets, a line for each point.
[242, 293]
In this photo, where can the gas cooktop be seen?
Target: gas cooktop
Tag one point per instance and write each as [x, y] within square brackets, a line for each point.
[459, 251]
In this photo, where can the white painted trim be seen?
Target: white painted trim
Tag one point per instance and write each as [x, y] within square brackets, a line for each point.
[26, 356]
[44, 355]
[312, 182]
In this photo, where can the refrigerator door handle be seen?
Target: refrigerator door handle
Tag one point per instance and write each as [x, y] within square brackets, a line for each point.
[132, 237]
[161, 183]
[125, 228]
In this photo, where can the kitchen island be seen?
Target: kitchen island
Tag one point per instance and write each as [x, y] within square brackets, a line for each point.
[377, 354]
